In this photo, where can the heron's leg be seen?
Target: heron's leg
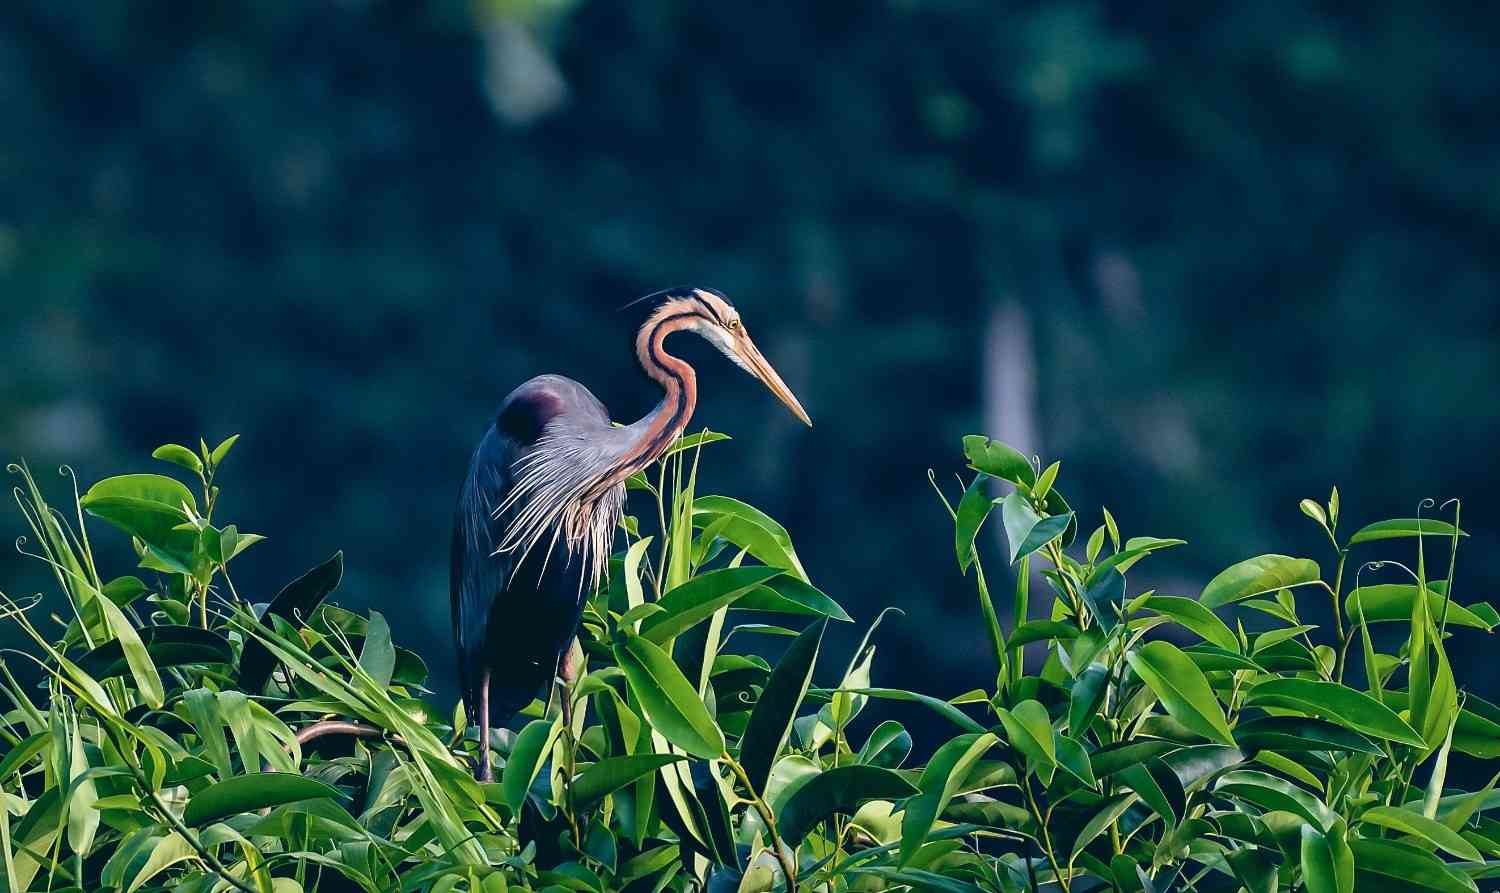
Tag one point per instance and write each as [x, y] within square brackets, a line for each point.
[486, 774]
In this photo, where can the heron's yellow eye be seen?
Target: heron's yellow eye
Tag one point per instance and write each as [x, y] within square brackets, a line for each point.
[733, 325]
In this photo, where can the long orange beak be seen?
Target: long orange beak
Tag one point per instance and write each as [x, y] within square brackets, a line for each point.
[762, 370]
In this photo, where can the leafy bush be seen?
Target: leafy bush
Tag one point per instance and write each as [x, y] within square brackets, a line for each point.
[189, 740]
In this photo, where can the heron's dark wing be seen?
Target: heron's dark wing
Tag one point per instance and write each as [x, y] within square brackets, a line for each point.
[477, 573]
[480, 573]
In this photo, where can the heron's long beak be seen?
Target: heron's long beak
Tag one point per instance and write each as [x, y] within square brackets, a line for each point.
[762, 370]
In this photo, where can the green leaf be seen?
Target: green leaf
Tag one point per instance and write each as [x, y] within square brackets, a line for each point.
[1025, 530]
[1300, 733]
[998, 460]
[526, 756]
[1386, 602]
[973, 508]
[1341, 704]
[1192, 615]
[1389, 865]
[142, 670]
[1158, 787]
[696, 600]
[786, 594]
[1327, 862]
[1113, 758]
[1029, 730]
[1112, 809]
[168, 646]
[943, 708]
[671, 703]
[1045, 480]
[750, 529]
[294, 602]
[166, 852]
[1086, 696]
[1105, 597]
[1402, 527]
[939, 783]
[1410, 822]
[179, 455]
[1182, 689]
[613, 773]
[222, 450]
[244, 793]
[771, 720]
[888, 746]
[378, 656]
[842, 789]
[1041, 630]
[1256, 576]
[1269, 792]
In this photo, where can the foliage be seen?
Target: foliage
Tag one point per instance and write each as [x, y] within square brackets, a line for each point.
[1157, 745]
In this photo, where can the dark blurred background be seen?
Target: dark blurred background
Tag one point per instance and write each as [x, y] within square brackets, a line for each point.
[1215, 257]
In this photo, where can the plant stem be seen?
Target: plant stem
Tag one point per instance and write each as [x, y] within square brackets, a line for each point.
[1041, 823]
[991, 620]
[788, 863]
[1338, 617]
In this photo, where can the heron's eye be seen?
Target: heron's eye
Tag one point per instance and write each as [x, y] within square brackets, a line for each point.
[733, 325]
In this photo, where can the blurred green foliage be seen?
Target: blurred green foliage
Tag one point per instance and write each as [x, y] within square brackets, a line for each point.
[1254, 245]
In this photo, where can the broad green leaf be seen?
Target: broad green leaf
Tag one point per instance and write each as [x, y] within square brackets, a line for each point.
[1434, 832]
[244, 793]
[973, 508]
[752, 530]
[1105, 598]
[1272, 793]
[23, 752]
[1327, 861]
[527, 753]
[166, 852]
[1390, 865]
[671, 702]
[1112, 758]
[1085, 698]
[943, 708]
[771, 720]
[1158, 787]
[786, 594]
[1402, 527]
[142, 670]
[613, 773]
[179, 455]
[842, 789]
[1102, 818]
[1341, 704]
[378, 655]
[1041, 630]
[1029, 730]
[1300, 733]
[1025, 530]
[1256, 576]
[222, 450]
[1386, 602]
[1071, 758]
[156, 489]
[998, 460]
[1194, 764]
[888, 746]
[1182, 689]
[696, 600]
[294, 602]
[939, 783]
[1192, 615]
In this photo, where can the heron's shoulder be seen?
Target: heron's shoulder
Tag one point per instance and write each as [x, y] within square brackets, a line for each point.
[528, 409]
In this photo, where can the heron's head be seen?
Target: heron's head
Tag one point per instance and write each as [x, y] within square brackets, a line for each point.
[713, 317]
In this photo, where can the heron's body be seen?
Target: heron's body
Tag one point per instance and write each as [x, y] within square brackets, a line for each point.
[537, 511]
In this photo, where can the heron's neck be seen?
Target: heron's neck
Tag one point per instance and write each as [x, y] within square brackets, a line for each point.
[653, 433]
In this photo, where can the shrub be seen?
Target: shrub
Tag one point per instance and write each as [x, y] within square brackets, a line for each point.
[189, 740]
